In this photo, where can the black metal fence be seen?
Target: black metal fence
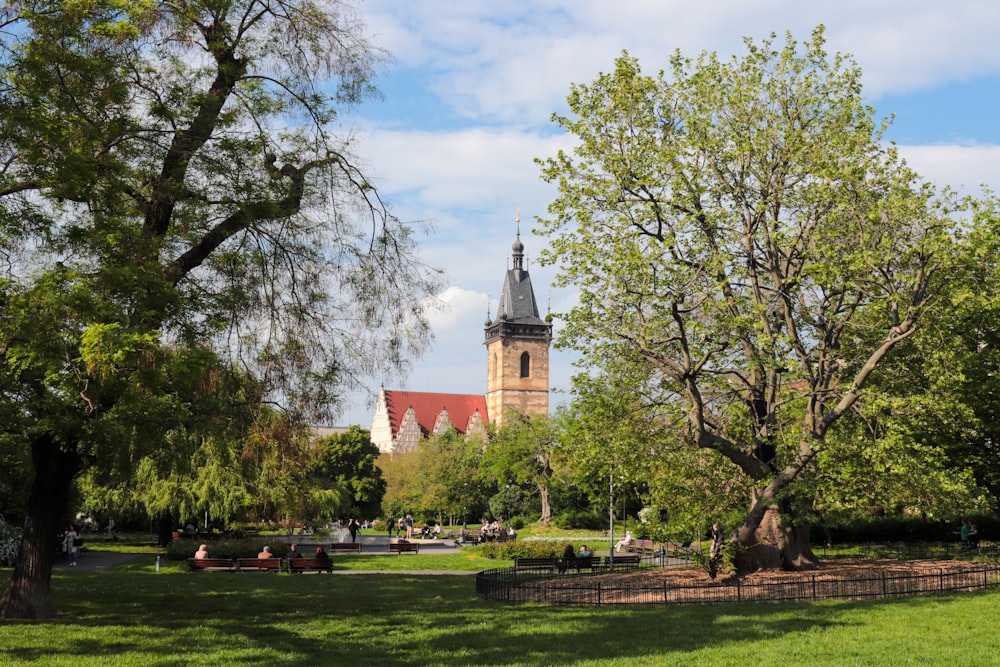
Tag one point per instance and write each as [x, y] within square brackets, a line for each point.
[511, 585]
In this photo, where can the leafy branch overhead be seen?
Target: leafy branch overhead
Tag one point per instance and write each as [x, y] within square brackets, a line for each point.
[194, 260]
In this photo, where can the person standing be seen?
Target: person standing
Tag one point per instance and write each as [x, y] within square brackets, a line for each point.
[409, 527]
[390, 524]
[352, 527]
[73, 542]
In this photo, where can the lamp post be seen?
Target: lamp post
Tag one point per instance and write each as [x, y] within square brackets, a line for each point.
[611, 520]
[465, 501]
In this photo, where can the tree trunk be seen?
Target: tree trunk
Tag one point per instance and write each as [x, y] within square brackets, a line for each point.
[543, 493]
[164, 529]
[28, 593]
[774, 543]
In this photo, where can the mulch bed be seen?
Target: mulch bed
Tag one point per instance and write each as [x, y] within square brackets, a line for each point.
[838, 579]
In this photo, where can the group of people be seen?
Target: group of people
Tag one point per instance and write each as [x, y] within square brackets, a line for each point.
[293, 552]
[494, 531]
[573, 558]
[969, 534]
[404, 524]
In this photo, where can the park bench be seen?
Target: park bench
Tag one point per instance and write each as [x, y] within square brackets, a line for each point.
[210, 564]
[535, 563]
[403, 547]
[471, 537]
[624, 562]
[641, 546]
[592, 563]
[259, 564]
[344, 547]
[309, 564]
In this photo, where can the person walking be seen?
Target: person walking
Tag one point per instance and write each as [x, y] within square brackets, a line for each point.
[73, 542]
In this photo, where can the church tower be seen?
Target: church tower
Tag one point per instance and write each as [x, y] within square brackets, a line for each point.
[517, 347]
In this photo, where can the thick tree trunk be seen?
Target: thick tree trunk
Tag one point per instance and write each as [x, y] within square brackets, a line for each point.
[28, 593]
[774, 543]
[543, 493]
[164, 529]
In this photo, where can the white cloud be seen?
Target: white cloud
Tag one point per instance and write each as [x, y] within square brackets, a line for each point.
[964, 168]
[514, 61]
[457, 308]
[501, 68]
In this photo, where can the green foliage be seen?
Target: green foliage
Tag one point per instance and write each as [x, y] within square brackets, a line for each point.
[225, 548]
[10, 542]
[347, 461]
[192, 251]
[748, 253]
[522, 549]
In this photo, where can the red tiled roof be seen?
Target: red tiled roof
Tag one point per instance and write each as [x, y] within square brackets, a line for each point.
[428, 406]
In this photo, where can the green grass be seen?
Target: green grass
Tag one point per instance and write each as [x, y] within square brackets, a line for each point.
[136, 616]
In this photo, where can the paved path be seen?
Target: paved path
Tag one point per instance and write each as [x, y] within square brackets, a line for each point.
[99, 560]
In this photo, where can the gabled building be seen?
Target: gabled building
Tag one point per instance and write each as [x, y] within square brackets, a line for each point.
[403, 418]
[517, 374]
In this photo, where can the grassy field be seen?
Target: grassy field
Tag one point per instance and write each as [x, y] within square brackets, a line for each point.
[133, 615]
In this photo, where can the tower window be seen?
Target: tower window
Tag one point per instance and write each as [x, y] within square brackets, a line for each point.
[525, 365]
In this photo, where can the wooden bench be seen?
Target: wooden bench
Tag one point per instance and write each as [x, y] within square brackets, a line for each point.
[623, 562]
[344, 547]
[641, 546]
[404, 547]
[470, 537]
[592, 563]
[210, 564]
[259, 564]
[308, 564]
[548, 564]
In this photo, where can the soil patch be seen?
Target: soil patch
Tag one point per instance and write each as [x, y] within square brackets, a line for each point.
[842, 579]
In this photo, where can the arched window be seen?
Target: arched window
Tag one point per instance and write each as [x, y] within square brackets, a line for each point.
[525, 365]
[496, 367]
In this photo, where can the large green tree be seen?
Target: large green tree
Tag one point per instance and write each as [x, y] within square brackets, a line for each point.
[175, 178]
[728, 224]
[346, 461]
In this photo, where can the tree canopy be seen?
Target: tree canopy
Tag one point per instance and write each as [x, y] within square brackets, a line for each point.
[181, 215]
[748, 250]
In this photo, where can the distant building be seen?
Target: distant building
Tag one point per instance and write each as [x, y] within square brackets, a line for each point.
[517, 375]
[403, 418]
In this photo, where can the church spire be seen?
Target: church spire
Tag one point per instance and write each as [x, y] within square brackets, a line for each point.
[518, 248]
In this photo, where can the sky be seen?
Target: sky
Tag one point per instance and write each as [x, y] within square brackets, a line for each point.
[467, 103]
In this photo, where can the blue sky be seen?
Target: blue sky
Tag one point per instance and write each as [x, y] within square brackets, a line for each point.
[468, 99]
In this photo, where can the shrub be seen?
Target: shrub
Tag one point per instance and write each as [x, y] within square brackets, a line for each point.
[522, 549]
[10, 541]
[242, 548]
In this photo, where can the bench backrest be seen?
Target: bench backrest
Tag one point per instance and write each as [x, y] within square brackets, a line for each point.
[308, 563]
[260, 563]
[202, 563]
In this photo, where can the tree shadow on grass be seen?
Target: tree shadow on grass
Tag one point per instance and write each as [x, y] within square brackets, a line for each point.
[176, 617]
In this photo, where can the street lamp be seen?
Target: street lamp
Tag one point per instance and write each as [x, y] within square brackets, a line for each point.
[611, 520]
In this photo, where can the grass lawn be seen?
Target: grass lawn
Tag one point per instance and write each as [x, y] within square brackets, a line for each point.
[133, 615]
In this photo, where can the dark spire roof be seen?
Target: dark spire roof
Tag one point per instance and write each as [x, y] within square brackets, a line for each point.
[517, 299]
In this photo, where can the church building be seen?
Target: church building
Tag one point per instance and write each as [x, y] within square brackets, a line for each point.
[517, 375]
